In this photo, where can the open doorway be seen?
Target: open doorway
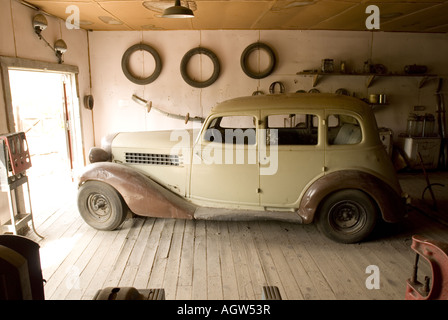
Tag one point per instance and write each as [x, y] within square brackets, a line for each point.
[43, 105]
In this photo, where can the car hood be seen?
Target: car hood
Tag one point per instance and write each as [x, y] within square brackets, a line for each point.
[160, 140]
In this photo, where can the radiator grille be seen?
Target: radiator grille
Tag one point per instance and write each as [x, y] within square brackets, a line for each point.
[153, 158]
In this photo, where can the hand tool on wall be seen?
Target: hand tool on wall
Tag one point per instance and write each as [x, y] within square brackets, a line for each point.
[148, 105]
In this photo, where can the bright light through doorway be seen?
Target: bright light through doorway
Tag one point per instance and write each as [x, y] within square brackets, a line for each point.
[39, 111]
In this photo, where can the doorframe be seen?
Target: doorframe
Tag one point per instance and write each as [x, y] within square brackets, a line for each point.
[12, 63]
[8, 63]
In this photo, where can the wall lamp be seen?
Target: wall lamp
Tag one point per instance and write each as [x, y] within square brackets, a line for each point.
[59, 49]
[40, 24]
[178, 11]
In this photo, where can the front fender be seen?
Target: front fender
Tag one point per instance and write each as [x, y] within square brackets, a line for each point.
[142, 195]
[391, 205]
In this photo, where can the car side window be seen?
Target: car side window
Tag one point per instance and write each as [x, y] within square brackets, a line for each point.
[232, 130]
[294, 129]
[343, 130]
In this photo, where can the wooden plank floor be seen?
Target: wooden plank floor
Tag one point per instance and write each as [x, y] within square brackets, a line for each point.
[224, 260]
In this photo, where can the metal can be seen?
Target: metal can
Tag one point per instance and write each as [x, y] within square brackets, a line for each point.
[327, 65]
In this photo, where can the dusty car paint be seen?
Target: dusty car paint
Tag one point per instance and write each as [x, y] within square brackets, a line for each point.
[389, 202]
[142, 195]
[183, 180]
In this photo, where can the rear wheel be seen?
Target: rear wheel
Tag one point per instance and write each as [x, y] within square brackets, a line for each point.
[101, 206]
[347, 216]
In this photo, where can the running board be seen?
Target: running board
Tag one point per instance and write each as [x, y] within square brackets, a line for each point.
[220, 214]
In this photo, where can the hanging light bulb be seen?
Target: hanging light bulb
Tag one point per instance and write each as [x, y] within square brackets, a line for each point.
[39, 24]
[59, 49]
[177, 11]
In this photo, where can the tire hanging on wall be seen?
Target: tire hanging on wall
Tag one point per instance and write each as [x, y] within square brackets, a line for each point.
[216, 67]
[125, 64]
[273, 85]
[245, 56]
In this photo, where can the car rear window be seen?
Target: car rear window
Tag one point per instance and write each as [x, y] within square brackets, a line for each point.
[343, 130]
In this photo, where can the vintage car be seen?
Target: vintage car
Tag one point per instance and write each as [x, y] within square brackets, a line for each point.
[290, 157]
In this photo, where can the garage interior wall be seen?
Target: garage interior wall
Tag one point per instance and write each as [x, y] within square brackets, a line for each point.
[18, 40]
[296, 51]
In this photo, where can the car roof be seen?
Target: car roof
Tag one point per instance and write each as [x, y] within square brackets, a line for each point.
[293, 101]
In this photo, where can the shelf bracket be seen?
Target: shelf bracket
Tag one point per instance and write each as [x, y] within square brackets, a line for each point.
[422, 82]
[370, 80]
[425, 79]
[315, 79]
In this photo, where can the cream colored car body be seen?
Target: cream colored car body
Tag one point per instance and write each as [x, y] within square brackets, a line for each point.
[260, 177]
[240, 185]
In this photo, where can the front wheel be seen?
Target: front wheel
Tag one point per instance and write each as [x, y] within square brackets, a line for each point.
[101, 206]
[347, 216]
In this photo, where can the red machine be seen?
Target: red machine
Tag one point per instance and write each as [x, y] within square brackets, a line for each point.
[17, 152]
[436, 253]
[14, 161]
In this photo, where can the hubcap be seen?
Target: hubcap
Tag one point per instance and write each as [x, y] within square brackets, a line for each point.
[347, 216]
[99, 206]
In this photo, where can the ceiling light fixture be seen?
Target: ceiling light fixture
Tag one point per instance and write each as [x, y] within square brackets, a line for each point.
[294, 4]
[178, 11]
[299, 4]
[110, 20]
[85, 22]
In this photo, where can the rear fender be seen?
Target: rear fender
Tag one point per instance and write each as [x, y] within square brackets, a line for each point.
[390, 204]
[142, 195]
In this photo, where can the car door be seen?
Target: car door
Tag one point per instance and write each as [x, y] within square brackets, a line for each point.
[293, 156]
[225, 164]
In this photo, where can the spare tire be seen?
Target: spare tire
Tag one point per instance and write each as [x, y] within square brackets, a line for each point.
[245, 56]
[216, 67]
[125, 64]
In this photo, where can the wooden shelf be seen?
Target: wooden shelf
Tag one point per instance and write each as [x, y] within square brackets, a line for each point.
[370, 76]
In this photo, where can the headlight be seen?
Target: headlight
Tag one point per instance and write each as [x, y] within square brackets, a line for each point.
[99, 155]
[104, 153]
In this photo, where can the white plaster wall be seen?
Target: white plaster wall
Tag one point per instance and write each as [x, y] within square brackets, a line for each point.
[17, 39]
[115, 110]
[296, 51]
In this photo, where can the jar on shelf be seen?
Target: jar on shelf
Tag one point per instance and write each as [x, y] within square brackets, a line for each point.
[428, 128]
[411, 127]
[327, 65]
[419, 126]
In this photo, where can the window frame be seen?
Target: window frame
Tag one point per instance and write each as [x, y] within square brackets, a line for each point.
[217, 118]
[309, 124]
